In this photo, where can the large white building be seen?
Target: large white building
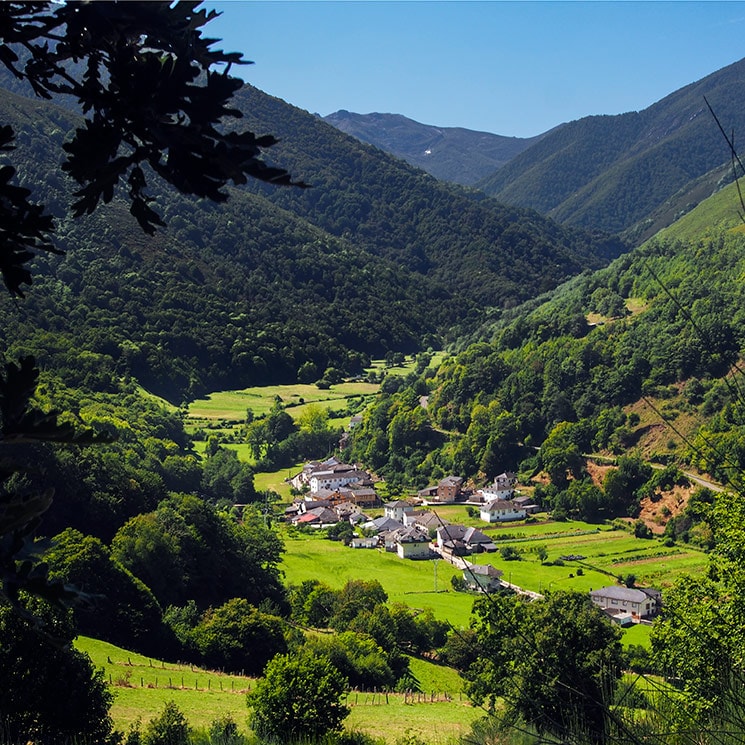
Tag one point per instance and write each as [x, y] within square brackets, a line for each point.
[502, 510]
[640, 602]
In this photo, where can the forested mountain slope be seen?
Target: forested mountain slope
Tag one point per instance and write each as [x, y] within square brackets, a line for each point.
[455, 154]
[374, 257]
[662, 325]
[486, 251]
[611, 172]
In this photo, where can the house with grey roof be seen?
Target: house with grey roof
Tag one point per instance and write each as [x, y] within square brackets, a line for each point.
[640, 602]
[460, 540]
[382, 525]
[412, 543]
[501, 510]
[482, 577]
[424, 518]
[397, 509]
[318, 517]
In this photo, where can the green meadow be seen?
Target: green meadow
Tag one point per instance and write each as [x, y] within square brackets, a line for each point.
[232, 405]
[607, 554]
[142, 686]
[419, 584]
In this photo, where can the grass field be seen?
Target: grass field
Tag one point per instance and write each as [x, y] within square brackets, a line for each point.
[405, 581]
[142, 686]
[608, 553]
[232, 405]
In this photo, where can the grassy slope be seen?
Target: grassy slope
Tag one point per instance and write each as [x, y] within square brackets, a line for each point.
[721, 210]
[140, 686]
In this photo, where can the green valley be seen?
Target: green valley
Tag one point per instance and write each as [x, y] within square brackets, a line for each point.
[518, 445]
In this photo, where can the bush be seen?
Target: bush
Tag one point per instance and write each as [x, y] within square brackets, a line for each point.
[170, 728]
[298, 698]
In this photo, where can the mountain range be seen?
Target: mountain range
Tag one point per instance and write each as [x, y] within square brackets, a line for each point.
[376, 256]
[448, 153]
[632, 173]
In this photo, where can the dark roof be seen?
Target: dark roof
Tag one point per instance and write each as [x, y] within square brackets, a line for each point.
[451, 480]
[486, 569]
[618, 592]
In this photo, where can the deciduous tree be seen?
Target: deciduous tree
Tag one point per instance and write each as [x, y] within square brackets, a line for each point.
[555, 663]
[299, 698]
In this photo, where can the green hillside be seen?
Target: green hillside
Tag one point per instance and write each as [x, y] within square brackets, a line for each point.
[611, 172]
[609, 359]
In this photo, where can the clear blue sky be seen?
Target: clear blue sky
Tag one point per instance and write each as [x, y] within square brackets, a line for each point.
[511, 68]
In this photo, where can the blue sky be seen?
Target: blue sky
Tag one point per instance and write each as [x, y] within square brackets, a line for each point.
[511, 68]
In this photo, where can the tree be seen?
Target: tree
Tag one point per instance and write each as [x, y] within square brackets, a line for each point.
[119, 607]
[356, 596]
[300, 697]
[155, 103]
[152, 97]
[560, 455]
[238, 637]
[225, 478]
[188, 549]
[357, 656]
[170, 728]
[555, 662]
[698, 640]
[50, 692]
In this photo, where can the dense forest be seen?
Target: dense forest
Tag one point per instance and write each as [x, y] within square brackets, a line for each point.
[374, 257]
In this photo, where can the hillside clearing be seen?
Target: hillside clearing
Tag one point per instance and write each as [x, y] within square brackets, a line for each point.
[142, 686]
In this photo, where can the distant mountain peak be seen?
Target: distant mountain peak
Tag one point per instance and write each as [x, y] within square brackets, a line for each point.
[462, 156]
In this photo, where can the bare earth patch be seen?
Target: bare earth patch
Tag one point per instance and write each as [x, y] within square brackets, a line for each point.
[670, 504]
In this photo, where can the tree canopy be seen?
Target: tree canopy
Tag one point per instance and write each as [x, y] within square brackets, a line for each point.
[299, 697]
[555, 663]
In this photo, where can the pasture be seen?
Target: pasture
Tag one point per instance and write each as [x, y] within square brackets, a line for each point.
[142, 686]
[607, 553]
[232, 405]
[409, 582]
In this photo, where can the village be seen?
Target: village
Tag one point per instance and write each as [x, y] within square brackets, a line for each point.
[332, 492]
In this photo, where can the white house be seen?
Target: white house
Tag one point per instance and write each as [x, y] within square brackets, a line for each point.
[502, 488]
[640, 602]
[396, 510]
[501, 510]
[333, 479]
